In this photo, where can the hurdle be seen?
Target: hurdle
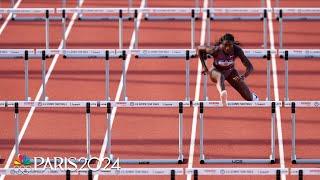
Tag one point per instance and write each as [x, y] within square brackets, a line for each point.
[231, 18]
[147, 15]
[212, 11]
[120, 12]
[101, 18]
[277, 172]
[148, 104]
[295, 53]
[17, 54]
[171, 172]
[251, 53]
[160, 53]
[237, 104]
[293, 105]
[33, 18]
[191, 11]
[281, 17]
[300, 172]
[45, 11]
[75, 54]
[17, 105]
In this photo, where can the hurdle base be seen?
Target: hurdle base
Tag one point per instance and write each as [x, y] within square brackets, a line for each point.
[167, 18]
[103, 18]
[305, 161]
[2, 160]
[232, 18]
[23, 18]
[237, 161]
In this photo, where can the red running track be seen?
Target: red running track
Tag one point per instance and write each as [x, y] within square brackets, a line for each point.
[150, 133]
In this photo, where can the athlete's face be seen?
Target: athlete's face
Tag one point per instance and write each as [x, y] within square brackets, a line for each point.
[227, 46]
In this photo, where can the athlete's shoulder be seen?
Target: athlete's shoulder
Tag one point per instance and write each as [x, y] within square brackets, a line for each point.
[237, 49]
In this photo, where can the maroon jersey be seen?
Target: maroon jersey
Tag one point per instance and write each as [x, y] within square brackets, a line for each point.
[224, 61]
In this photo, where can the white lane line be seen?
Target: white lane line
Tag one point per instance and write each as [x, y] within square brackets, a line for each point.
[276, 90]
[4, 25]
[197, 93]
[120, 87]
[28, 119]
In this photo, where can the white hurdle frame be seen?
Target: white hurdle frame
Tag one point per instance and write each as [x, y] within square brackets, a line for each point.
[295, 53]
[245, 18]
[277, 172]
[45, 11]
[235, 104]
[281, 11]
[101, 18]
[160, 53]
[20, 54]
[192, 18]
[119, 11]
[148, 104]
[34, 18]
[16, 105]
[294, 105]
[75, 54]
[251, 53]
[304, 171]
[263, 18]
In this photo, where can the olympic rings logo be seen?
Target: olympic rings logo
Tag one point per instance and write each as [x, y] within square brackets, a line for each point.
[20, 170]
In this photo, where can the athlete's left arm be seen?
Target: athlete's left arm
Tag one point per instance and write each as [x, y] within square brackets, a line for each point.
[246, 62]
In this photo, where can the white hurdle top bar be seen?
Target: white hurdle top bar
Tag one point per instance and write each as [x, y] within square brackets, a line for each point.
[236, 171]
[300, 53]
[75, 104]
[26, 10]
[308, 104]
[15, 53]
[166, 10]
[161, 53]
[238, 103]
[259, 53]
[298, 10]
[92, 10]
[306, 171]
[237, 10]
[122, 171]
[93, 53]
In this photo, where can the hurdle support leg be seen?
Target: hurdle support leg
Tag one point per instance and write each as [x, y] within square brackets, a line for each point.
[107, 76]
[187, 75]
[124, 76]
[88, 132]
[180, 157]
[202, 157]
[64, 43]
[293, 135]
[43, 70]
[192, 29]
[16, 117]
[273, 132]
[120, 30]
[286, 81]
[268, 76]
[136, 32]
[47, 30]
[265, 34]
[208, 27]
[109, 155]
[280, 19]
[26, 75]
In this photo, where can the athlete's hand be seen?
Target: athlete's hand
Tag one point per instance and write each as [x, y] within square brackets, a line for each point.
[239, 78]
[204, 71]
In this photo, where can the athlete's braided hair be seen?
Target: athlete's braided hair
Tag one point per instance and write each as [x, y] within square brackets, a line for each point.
[227, 37]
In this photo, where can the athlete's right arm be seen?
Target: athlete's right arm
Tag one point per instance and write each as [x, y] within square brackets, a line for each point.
[202, 54]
